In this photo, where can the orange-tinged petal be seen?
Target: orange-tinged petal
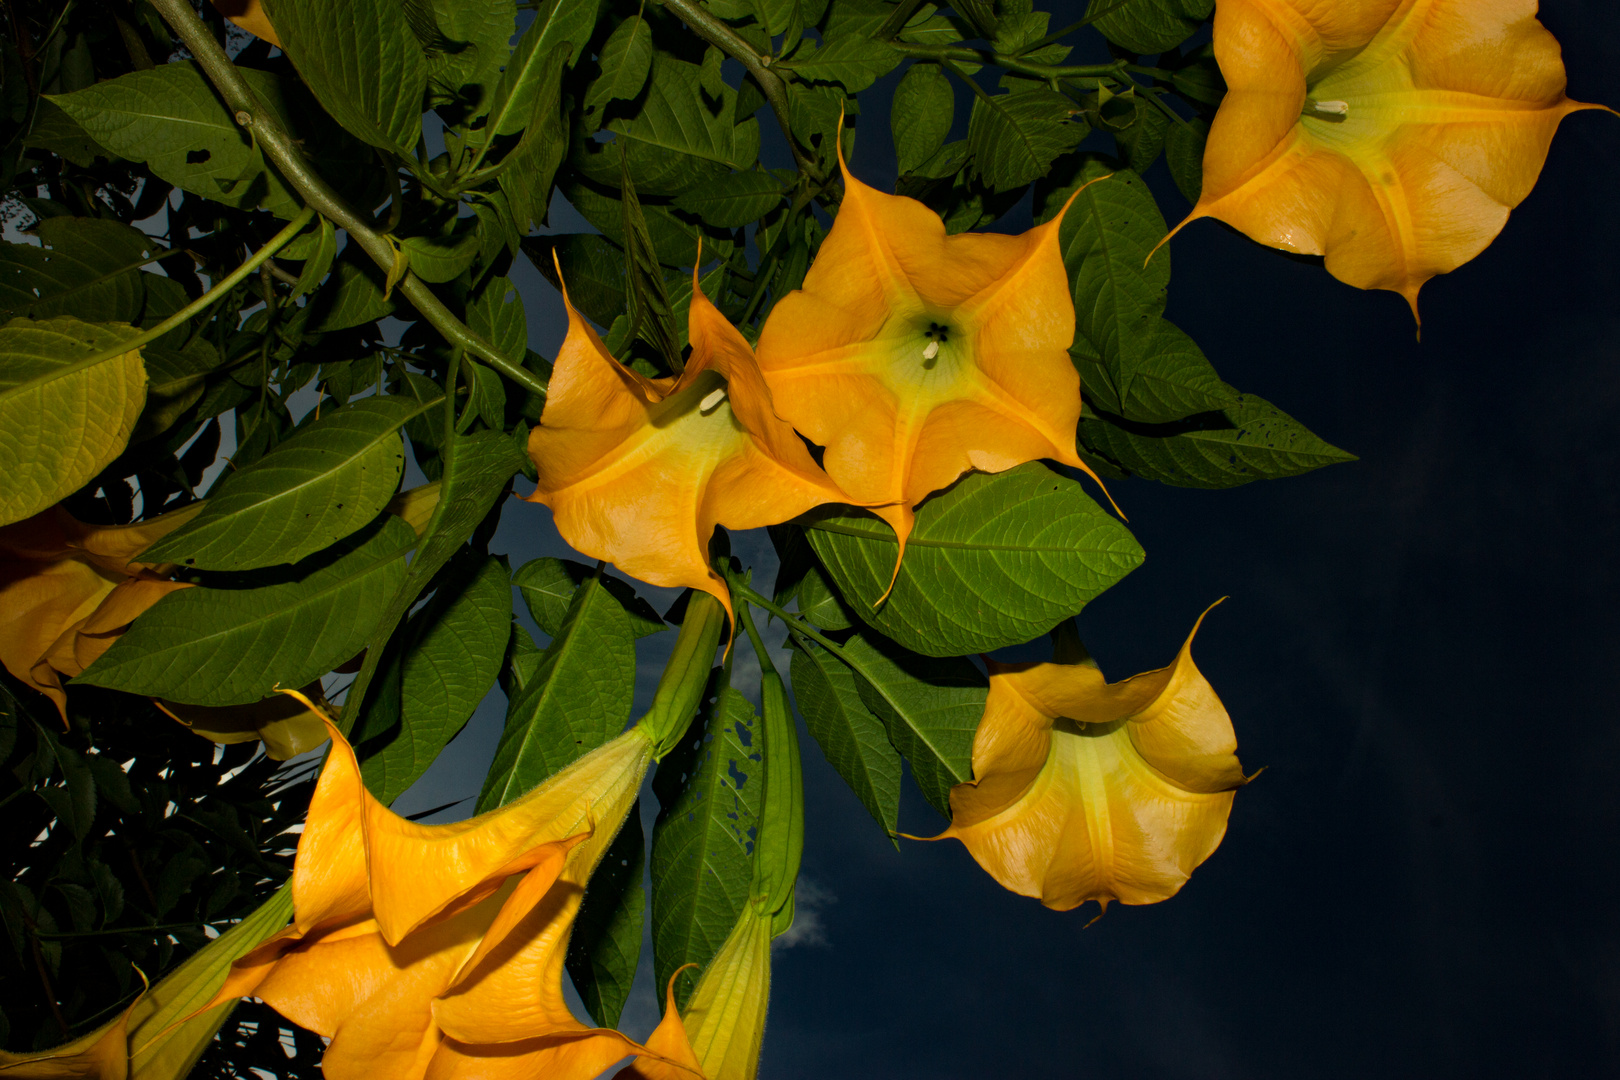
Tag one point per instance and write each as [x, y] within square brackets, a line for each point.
[1391, 136]
[1086, 790]
[638, 472]
[103, 1054]
[675, 1059]
[285, 726]
[42, 605]
[250, 16]
[913, 356]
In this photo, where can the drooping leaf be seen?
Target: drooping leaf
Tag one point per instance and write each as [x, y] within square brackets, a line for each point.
[64, 413]
[605, 948]
[231, 646]
[453, 653]
[854, 741]
[625, 60]
[331, 478]
[931, 708]
[548, 586]
[995, 560]
[703, 842]
[1253, 440]
[577, 698]
[921, 115]
[1015, 138]
[362, 62]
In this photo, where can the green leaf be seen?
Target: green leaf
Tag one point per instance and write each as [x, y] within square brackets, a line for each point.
[800, 578]
[496, 314]
[1106, 237]
[703, 842]
[648, 307]
[734, 199]
[331, 478]
[1198, 78]
[466, 46]
[921, 115]
[678, 140]
[354, 298]
[674, 240]
[994, 560]
[592, 268]
[54, 131]
[853, 62]
[930, 706]
[577, 698]
[438, 259]
[605, 947]
[1172, 381]
[170, 118]
[62, 418]
[1253, 440]
[454, 652]
[548, 586]
[625, 60]
[362, 62]
[86, 268]
[1184, 154]
[1141, 142]
[319, 263]
[1015, 138]
[853, 740]
[224, 646]
[1149, 26]
[528, 171]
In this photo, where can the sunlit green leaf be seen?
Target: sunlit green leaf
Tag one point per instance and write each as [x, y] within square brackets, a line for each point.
[853, 740]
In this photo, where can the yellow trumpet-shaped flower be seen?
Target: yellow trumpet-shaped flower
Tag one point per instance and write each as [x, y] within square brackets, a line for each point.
[913, 356]
[639, 471]
[437, 950]
[1391, 136]
[68, 590]
[1090, 790]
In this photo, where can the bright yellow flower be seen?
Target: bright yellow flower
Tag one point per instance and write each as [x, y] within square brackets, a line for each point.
[913, 356]
[437, 950]
[639, 471]
[1391, 136]
[1090, 790]
[68, 590]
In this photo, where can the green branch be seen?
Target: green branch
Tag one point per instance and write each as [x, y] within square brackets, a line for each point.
[267, 131]
[722, 37]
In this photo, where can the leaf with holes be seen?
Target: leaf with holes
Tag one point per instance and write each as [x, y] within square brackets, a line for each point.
[332, 477]
[994, 560]
[703, 841]
[86, 267]
[605, 947]
[68, 403]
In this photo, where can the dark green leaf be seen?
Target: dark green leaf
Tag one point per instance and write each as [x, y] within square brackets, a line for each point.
[362, 62]
[853, 740]
[853, 62]
[497, 315]
[577, 698]
[1173, 380]
[438, 259]
[86, 268]
[354, 298]
[703, 842]
[734, 199]
[1184, 154]
[647, 300]
[921, 115]
[605, 948]
[930, 706]
[994, 560]
[548, 586]
[675, 240]
[219, 646]
[1149, 26]
[1141, 142]
[592, 268]
[331, 478]
[1014, 138]
[530, 168]
[454, 653]
[1253, 440]
[625, 60]
[56, 132]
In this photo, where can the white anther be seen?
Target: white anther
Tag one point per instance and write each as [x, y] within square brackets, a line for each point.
[1332, 108]
[711, 401]
[931, 351]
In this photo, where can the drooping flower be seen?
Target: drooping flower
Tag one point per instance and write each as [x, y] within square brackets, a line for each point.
[639, 471]
[68, 590]
[913, 356]
[437, 950]
[1090, 790]
[1391, 136]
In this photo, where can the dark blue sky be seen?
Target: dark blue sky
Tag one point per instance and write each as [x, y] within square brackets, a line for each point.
[1420, 648]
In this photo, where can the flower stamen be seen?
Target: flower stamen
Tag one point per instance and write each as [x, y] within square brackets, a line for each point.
[711, 401]
[1339, 109]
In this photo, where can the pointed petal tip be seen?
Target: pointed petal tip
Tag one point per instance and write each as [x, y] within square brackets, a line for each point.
[1196, 213]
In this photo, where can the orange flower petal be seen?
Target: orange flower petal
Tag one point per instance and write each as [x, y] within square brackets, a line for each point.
[913, 356]
[675, 1059]
[638, 472]
[1086, 790]
[1391, 136]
